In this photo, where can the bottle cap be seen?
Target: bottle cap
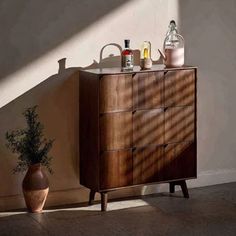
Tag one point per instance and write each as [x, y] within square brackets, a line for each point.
[127, 42]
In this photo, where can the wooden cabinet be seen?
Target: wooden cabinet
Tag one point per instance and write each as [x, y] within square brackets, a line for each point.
[137, 128]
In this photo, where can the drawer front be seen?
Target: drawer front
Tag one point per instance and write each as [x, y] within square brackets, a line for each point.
[116, 169]
[148, 165]
[115, 93]
[179, 161]
[179, 124]
[148, 90]
[179, 88]
[148, 128]
[116, 131]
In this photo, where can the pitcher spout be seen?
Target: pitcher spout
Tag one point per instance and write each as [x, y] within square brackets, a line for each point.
[162, 54]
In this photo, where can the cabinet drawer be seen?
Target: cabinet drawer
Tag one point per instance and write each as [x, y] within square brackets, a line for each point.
[116, 169]
[179, 87]
[148, 165]
[179, 161]
[148, 128]
[115, 93]
[179, 124]
[148, 90]
[116, 131]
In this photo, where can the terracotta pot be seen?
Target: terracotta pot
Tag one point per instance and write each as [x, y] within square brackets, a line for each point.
[35, 188]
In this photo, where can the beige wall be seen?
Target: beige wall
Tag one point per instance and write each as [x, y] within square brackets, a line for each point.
[209, 28]
[36, 34]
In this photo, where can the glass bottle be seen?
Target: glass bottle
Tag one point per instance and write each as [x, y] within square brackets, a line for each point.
[145, 59]
[172, 36]
[173, 47]
[127, 57]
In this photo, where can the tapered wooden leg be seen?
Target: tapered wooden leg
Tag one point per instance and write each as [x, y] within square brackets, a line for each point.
[104, 198]
[172, 187]
[183, 186]
[91, 197]
[184, 189]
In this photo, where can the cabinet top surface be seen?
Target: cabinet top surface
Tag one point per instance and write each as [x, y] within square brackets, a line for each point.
[118, 70]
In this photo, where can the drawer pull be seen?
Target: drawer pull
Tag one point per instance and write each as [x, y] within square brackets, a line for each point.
[134, 111]
[133, 149]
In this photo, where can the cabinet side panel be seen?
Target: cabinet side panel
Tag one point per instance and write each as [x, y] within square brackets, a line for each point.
[89, 130]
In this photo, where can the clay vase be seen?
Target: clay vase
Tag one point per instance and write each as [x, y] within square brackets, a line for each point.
[35, 188]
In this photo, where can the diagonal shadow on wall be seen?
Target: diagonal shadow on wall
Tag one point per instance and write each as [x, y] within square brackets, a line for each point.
[30, 28]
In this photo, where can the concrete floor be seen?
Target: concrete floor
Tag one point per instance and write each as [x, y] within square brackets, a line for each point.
[209, 211]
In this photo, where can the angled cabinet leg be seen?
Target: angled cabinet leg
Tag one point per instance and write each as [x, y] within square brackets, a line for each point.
[104, 198]
[182, 184]
[91, 196]
[184, 189]
[172, 187]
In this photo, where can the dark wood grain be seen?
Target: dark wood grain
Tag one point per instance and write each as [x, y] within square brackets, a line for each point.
[116, 169]
[89, 130]
[116, 92]
[179, 161]
[116, 131]
[148, 90]
[179, 124]
[137, 128]
[148, 127]
[179, 88]
[147, 165]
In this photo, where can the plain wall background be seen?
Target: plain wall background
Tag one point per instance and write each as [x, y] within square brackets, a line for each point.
[35, 35]
[209, 28]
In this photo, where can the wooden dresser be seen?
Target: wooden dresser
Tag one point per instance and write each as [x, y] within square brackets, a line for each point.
[137, 128]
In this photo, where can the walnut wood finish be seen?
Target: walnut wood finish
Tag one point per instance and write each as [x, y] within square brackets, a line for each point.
[89, 130]
[104, 199]
[148, 127]
[91, 196]
[179, 161]
[179, 88]
[137, 128]
[116, 169]
[147, 165]
[183, 186]
[179, 124]
[148, 90]
[116, 131]
[116, 93]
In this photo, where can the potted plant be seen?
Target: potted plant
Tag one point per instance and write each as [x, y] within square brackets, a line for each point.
[32, 149]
